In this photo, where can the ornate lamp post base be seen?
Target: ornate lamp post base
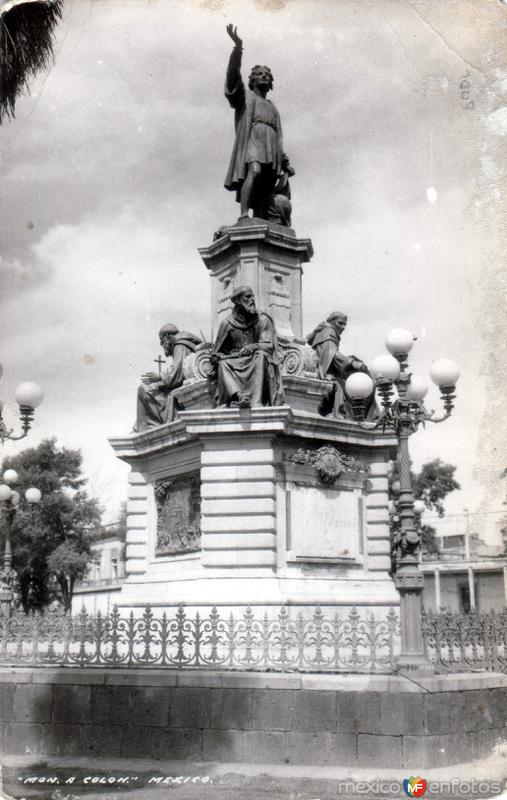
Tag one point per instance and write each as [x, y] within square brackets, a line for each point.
[414, 663]
[410, 581]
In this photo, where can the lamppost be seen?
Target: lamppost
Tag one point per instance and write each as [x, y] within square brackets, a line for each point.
[9, 501]
[419, 509]
[394, 519]
[28, 396]
[404, 412]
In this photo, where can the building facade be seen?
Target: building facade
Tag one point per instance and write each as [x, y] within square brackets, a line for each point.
[100, 589]
[467, 575]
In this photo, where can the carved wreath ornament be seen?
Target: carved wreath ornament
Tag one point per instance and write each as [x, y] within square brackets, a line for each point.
[328, 462]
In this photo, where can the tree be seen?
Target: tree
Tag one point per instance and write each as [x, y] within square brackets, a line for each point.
[429, 542]
[122, 521]
[434, 482]
[52, 541]
[431, 485]
[26, 46]
[68, 563]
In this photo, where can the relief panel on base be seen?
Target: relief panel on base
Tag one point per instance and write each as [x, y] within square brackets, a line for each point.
[178, 502]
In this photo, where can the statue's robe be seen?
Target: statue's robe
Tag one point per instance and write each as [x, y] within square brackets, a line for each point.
[155, 402]
[335, 365]
[251, 111]
[258, 375]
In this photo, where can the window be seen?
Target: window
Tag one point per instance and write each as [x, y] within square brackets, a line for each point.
[464, 596]
[96, 569]
[465, 599]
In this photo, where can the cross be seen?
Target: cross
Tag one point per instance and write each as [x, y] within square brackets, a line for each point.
[159, 361]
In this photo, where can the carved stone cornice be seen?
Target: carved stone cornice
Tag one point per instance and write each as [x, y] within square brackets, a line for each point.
[198, 424]
[256, 230]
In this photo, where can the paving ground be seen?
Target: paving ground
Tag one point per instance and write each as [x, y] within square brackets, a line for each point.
[122, 779]
[225, 787]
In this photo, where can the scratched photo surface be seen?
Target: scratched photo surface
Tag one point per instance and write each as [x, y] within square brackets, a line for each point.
[112, 176]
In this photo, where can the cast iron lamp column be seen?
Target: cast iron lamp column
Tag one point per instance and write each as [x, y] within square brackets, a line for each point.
[9, 501]
[28, 396]
[404, 414]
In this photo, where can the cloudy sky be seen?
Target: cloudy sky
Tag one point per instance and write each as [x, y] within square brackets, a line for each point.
[112, 177]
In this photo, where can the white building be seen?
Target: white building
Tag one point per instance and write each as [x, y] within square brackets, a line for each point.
[467, 575]
[101, 587]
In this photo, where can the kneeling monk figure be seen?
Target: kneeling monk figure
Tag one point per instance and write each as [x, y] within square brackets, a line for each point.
[156, 403]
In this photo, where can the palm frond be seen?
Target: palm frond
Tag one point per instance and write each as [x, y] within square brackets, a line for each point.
[26, 46]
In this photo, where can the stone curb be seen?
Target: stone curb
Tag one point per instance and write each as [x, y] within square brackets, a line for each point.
[138, 676]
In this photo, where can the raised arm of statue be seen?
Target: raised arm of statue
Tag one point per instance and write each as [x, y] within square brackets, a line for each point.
[234, 87]
[233, 33]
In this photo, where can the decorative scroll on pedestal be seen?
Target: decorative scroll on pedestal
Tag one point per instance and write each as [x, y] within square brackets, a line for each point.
[178, 515]
[197, 366]
[298, 359]
[328, 461]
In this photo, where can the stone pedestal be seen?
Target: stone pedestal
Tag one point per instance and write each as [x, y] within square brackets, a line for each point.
[263, 507]
[267, 257]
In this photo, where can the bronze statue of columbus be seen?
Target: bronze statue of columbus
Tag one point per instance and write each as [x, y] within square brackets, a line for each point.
[259, 170]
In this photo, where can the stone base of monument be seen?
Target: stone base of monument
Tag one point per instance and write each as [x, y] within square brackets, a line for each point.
[262, 507]
[301, 393]
[305, 394]
[264, 718]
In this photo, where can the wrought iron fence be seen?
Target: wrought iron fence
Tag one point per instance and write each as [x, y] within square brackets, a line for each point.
[283, 641]
[464, 642]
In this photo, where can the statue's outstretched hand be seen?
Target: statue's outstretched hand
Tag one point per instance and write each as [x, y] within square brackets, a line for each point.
[233, 33]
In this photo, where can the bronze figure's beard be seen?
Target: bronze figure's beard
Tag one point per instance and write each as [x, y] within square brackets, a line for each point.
[247, 309]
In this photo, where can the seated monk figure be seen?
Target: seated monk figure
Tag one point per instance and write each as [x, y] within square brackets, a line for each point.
[325, 340]
[155, 401]
[245, 354]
